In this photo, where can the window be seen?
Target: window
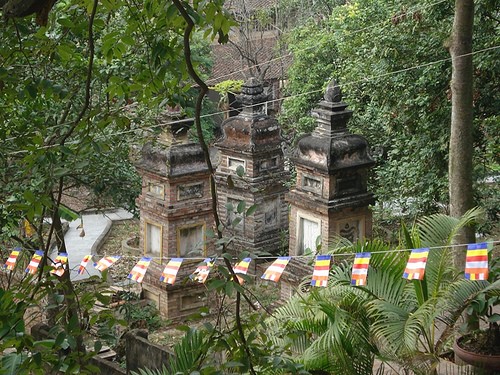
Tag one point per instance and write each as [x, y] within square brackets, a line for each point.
[234, 163]
[268, 164]
[190, 241]
[309, 235]
[156, 189]
[190, 191]
[311, 183]
[153, 239]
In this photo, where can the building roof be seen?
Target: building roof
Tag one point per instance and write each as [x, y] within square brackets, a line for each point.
[250, 5]
[229, 64]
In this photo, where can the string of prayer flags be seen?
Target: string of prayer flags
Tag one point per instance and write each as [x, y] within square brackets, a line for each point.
[476, 261]
[360, 268]
[106, 262]
[242, 268]
[35, 262]
[321, 270]
[11, 262]
[83, 264]
[415, 268]
[275, 270]
[169, 274]
[59, 262]
[139, 270]
[201, 273]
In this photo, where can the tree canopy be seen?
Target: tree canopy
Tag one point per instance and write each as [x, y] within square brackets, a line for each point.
[392, 62]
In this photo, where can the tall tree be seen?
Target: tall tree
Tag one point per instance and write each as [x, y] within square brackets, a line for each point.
[461, 142]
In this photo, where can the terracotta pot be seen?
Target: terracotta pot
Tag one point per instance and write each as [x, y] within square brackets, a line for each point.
[483, 361]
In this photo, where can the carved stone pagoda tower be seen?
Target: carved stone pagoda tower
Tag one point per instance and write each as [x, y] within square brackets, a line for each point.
[330, 197]
[251, 147]
[176, 211]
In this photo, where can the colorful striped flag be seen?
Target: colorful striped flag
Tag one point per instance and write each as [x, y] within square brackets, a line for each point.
[275, 270]
[242, 268]
[169, 274]
[11, 262]
[201, 273]
[415, 268]
[360, 268]
[83, 264]
[321, 270]
[476, 261]
[35, 262]
[139, 270]
[106, 262]
[59, 262]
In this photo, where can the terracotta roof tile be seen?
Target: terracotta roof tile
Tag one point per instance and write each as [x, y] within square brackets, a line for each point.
[228, 63]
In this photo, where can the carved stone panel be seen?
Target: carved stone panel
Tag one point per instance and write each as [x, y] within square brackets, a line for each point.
[190, 191]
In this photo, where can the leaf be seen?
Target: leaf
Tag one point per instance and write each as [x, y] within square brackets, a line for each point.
[67, 213]
[240, 171]
[11, 362]
[241, 207]
[251, 210]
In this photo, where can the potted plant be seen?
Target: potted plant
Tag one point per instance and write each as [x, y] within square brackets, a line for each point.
[481, 347]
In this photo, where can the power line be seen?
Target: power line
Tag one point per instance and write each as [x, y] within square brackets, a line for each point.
[313, 46]
[367, 79]
[279, 58]
[453, 247]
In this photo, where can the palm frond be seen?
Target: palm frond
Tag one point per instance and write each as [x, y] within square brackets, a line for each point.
[439, 229]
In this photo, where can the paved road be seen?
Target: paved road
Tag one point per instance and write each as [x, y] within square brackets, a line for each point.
[96, 228]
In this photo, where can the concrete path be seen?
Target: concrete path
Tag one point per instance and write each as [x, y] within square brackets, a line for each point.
[96, 227]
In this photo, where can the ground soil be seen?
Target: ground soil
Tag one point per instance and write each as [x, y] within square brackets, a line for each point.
[483, 342]
[113, 246]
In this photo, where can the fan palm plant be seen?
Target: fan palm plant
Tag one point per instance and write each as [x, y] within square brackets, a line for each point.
[342, 328]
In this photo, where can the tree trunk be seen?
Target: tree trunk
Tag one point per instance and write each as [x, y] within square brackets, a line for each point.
[461, 150]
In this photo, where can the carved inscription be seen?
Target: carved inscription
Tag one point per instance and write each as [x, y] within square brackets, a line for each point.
[190, 191]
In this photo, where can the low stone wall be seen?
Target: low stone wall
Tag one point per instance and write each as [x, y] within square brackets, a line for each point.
[141, 353]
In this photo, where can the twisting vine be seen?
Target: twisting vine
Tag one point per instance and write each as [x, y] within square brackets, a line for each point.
[197, 119]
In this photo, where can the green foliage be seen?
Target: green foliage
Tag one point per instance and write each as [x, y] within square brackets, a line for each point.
[74, 97]
[138, 314]
[342, 328]
[371, 48]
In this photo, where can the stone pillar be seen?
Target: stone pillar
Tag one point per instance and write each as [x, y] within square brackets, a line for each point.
[176, 211]
[330, 197]
[175, 204]
[251, 146]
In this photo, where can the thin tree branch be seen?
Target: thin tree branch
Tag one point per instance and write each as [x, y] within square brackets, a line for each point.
[88, 97]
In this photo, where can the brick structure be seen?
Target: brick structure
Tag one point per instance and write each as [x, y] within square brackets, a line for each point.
[330, 197]
[175, 209]
[252, 142]
[178, 301]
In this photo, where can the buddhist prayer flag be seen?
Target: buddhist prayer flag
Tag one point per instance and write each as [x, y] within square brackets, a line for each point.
[169, 274]
[415, 268]
[242, 268]
[11, 262]
[35, 262]
[139, 270]
[59, 262]
[107, 262]
[83, 264]
[275, 270]
[201, 273]
[321, 270]
[360, 269]
[476, 261]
